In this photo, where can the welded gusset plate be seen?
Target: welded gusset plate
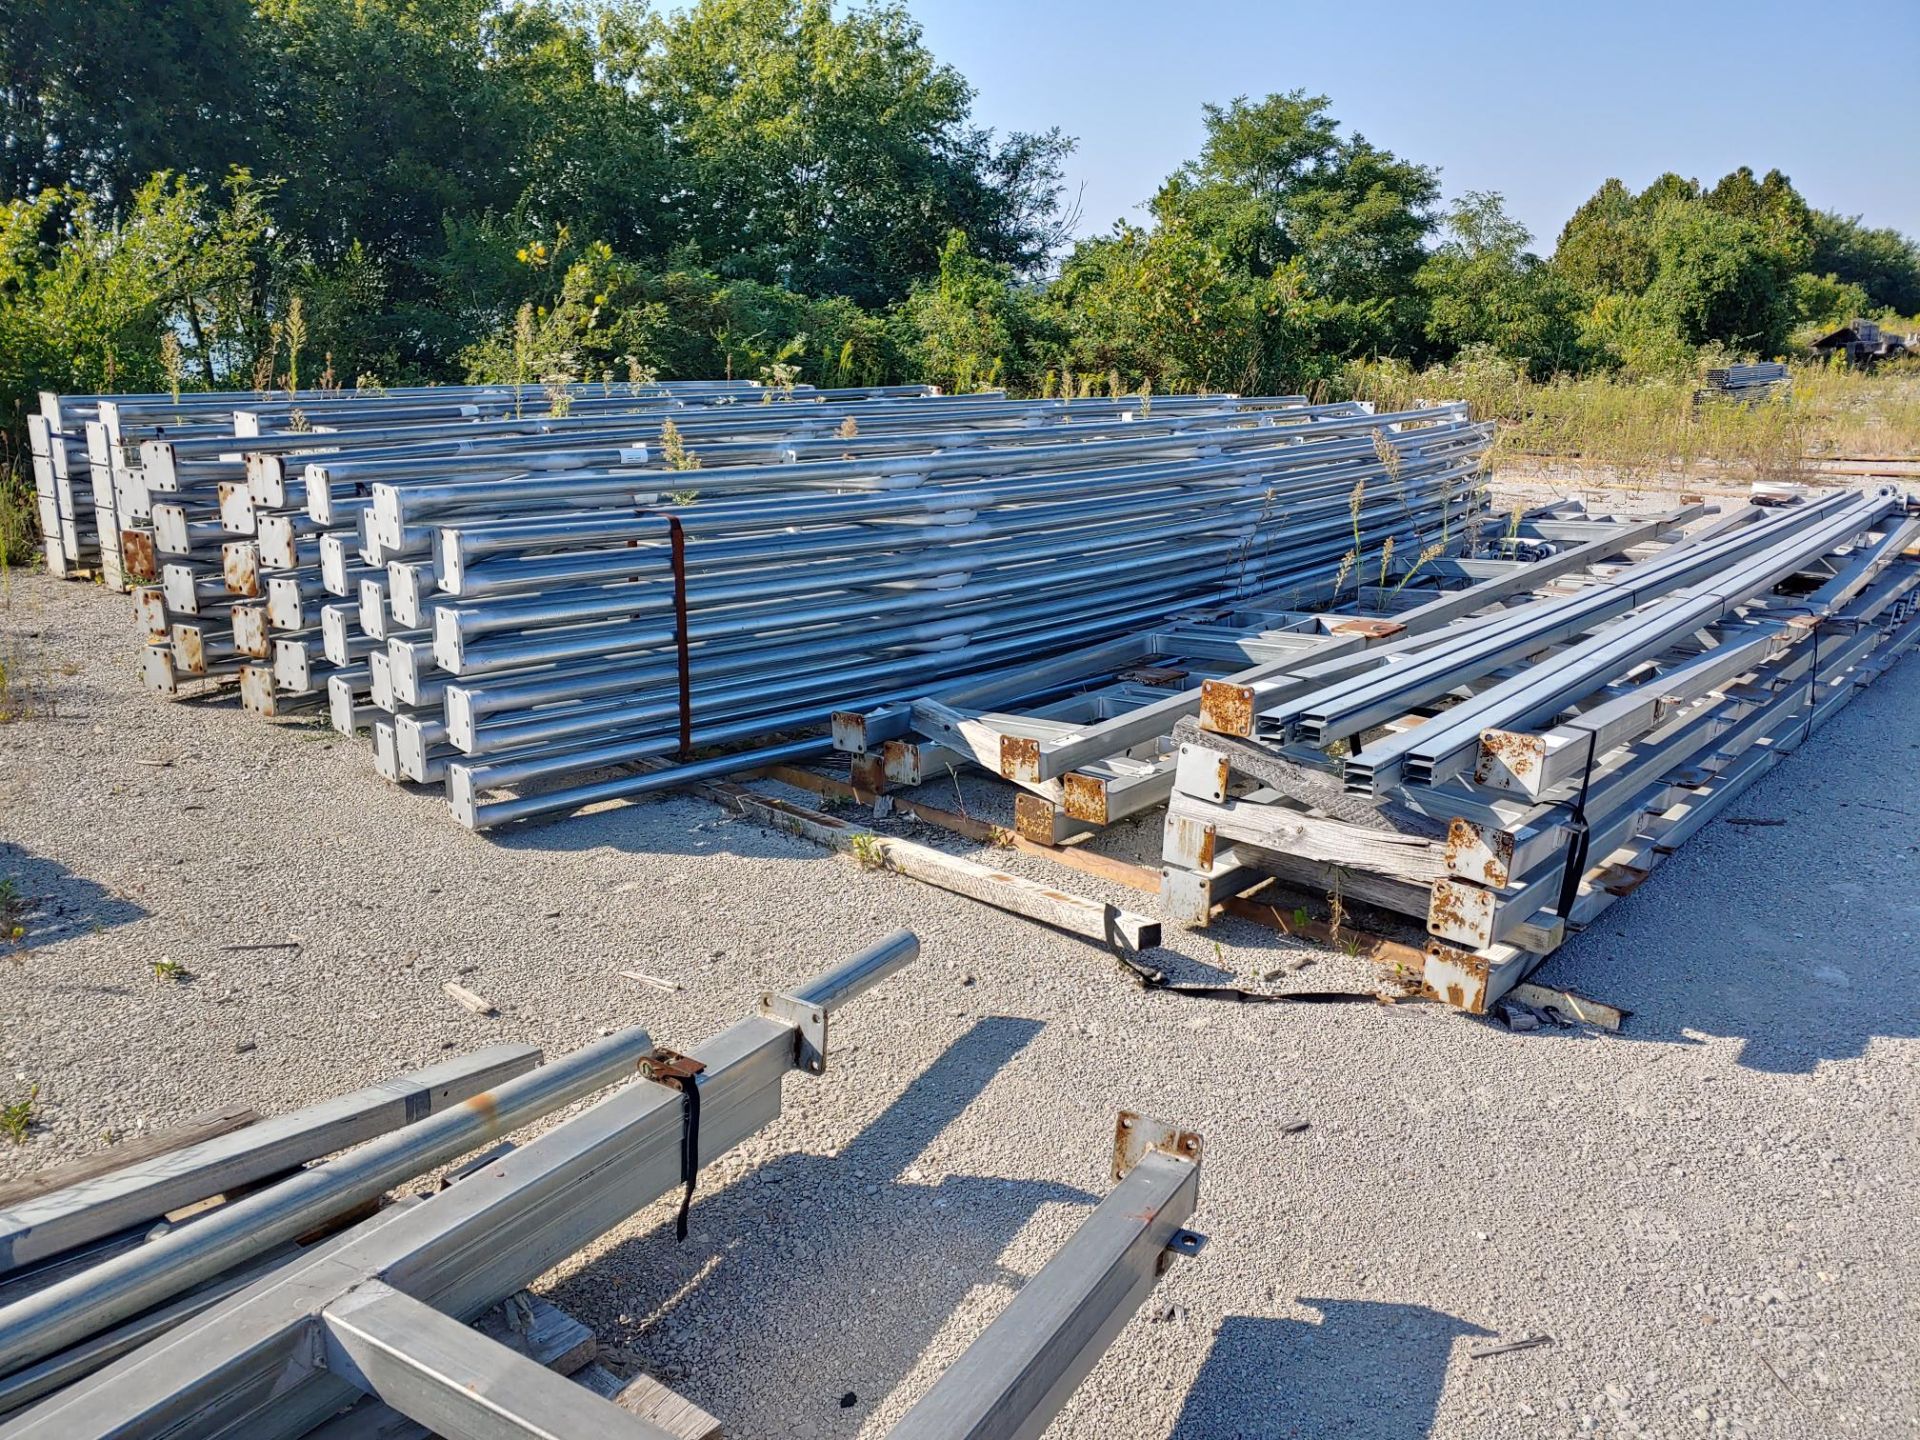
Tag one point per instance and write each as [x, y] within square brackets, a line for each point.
[1136, 1135]
[1226, 709]
[810, 1029]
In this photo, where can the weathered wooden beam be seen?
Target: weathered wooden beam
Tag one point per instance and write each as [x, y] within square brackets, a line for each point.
[1087, 862]
[651, 1401]
[1015, 894]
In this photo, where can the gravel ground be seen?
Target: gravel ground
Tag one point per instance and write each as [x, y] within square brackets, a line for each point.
[1712, 1214]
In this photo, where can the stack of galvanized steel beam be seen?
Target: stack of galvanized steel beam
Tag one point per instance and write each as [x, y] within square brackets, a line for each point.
[1748, 382]
[1297, 625]
[1506, 776]
[506, 602]
[1099, 747]
[271, 1301]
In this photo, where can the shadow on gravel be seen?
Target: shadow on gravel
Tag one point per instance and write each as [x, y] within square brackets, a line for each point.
[683, 825]
[825, 1276]
[1365, 1370]
[1782, 947]
[48, 902]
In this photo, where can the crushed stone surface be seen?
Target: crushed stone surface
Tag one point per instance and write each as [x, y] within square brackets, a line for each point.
[1712, 1214]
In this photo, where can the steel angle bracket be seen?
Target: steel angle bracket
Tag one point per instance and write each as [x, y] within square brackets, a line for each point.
[809, 1023]
[1134, 1137]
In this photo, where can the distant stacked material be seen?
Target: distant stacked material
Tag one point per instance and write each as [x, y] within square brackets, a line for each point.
[1748, 382]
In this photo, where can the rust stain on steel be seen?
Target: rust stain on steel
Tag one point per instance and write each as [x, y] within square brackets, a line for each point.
[1624, 879]
[149, 603]
[1518, 754]
[1460, 839]
[850, 730]
[193, 655]
[487, 1108]
[137, 555]
[1190, 839]
[1135, 1137]
[1086, 798]
[670, 1066]
[1020, 758]
[1468, 992]
[1466, 841]
[900, 761]
[1226, 709]
[241, 577]
[869, 771]
[1461, 912]
[1033, 818]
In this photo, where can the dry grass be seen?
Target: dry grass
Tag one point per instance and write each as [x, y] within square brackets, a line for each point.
[21, 697]
[19, 521]
[1654, 426]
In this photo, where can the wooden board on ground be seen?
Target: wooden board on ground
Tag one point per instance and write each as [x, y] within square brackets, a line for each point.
[647, 1398]
[1087, 862]
[1016, 894]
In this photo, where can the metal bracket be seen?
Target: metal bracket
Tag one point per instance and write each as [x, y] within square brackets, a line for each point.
[809, 1028]
[1134, 1136]
[670, 1066]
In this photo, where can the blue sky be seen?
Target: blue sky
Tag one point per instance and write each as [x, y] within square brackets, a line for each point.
[1538, 101]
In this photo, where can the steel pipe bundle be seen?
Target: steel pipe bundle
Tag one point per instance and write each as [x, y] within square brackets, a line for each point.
[799, 605]
[1748, 382]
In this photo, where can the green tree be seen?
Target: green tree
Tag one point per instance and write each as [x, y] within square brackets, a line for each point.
[86, 299]
[1721, 277]
[1276, 183]
[99, 94]
[1775, 206]
[384, 118]
[1827, 301]
[832, 155]
[1676, 266]
[1884, 263]
[974, 326]
[1604, 248]
[1482, 286]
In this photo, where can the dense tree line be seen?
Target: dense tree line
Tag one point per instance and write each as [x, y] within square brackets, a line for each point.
[271, 192]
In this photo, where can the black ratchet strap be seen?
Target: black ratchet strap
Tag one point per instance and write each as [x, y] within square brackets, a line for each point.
[1582, 840]
[1813, 685]
[677, 549]
[1151, 979]
[682, 1073]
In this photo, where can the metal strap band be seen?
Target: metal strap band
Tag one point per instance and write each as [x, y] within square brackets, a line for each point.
[1582, 835]
[682, 1073]
[679, 541]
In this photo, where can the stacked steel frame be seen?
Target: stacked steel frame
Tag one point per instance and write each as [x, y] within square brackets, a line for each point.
[1508, 775]
[272, 1313]
[506, 601]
